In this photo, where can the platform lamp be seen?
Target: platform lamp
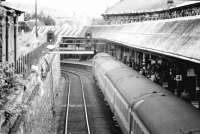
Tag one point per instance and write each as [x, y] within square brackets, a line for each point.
[36, 19]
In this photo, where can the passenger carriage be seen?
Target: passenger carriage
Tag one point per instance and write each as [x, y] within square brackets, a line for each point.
[141, 106]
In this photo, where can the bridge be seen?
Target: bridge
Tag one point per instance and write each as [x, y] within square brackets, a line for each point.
[77, 51]
[74, 52]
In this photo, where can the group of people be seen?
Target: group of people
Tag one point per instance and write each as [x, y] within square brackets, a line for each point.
[151, 71]
[179, 13]
[173, 77]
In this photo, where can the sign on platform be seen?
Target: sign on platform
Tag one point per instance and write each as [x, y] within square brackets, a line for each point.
[191, 73]
[178, 78]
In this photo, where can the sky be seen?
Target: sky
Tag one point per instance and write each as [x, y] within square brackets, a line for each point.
[92, 8]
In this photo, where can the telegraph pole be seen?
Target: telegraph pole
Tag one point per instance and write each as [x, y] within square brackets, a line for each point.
[36, 32]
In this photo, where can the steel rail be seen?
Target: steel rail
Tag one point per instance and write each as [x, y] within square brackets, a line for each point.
[66, 76]
[85, 105]
[67, 112]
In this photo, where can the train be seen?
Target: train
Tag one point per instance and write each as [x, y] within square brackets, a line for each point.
[140, 105]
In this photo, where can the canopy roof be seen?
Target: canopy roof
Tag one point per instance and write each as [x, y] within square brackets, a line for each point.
[63, 30]
[176, 37]
[9, 6]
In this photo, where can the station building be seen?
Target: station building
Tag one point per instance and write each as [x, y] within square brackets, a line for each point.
[75, 43]
[8, 34]
[159, 39]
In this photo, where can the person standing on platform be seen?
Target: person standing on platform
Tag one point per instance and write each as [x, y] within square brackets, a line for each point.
[179, 80]
[171, 80]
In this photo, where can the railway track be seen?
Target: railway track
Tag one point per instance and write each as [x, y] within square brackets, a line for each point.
[99, 116]
[76, 111]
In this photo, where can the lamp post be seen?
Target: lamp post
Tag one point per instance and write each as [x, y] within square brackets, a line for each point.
[36, 32]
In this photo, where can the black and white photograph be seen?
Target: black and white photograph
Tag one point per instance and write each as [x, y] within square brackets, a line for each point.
[100, 67]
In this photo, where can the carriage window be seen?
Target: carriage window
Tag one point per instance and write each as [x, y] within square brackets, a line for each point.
[135, 127]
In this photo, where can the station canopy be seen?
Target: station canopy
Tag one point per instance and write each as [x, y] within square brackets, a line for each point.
[64, 30]
[9, 6]
[178, 37]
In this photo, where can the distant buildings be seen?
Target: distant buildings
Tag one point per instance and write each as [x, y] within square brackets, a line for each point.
[27, 26]
[130, 11]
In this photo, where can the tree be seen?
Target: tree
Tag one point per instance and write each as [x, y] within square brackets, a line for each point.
[47, 20]
[27, 16]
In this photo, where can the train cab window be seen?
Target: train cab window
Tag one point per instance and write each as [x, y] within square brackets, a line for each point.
[136, 128]
[122, 107]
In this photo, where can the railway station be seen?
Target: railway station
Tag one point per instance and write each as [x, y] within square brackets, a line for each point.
[136, 70]
[161, 47]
